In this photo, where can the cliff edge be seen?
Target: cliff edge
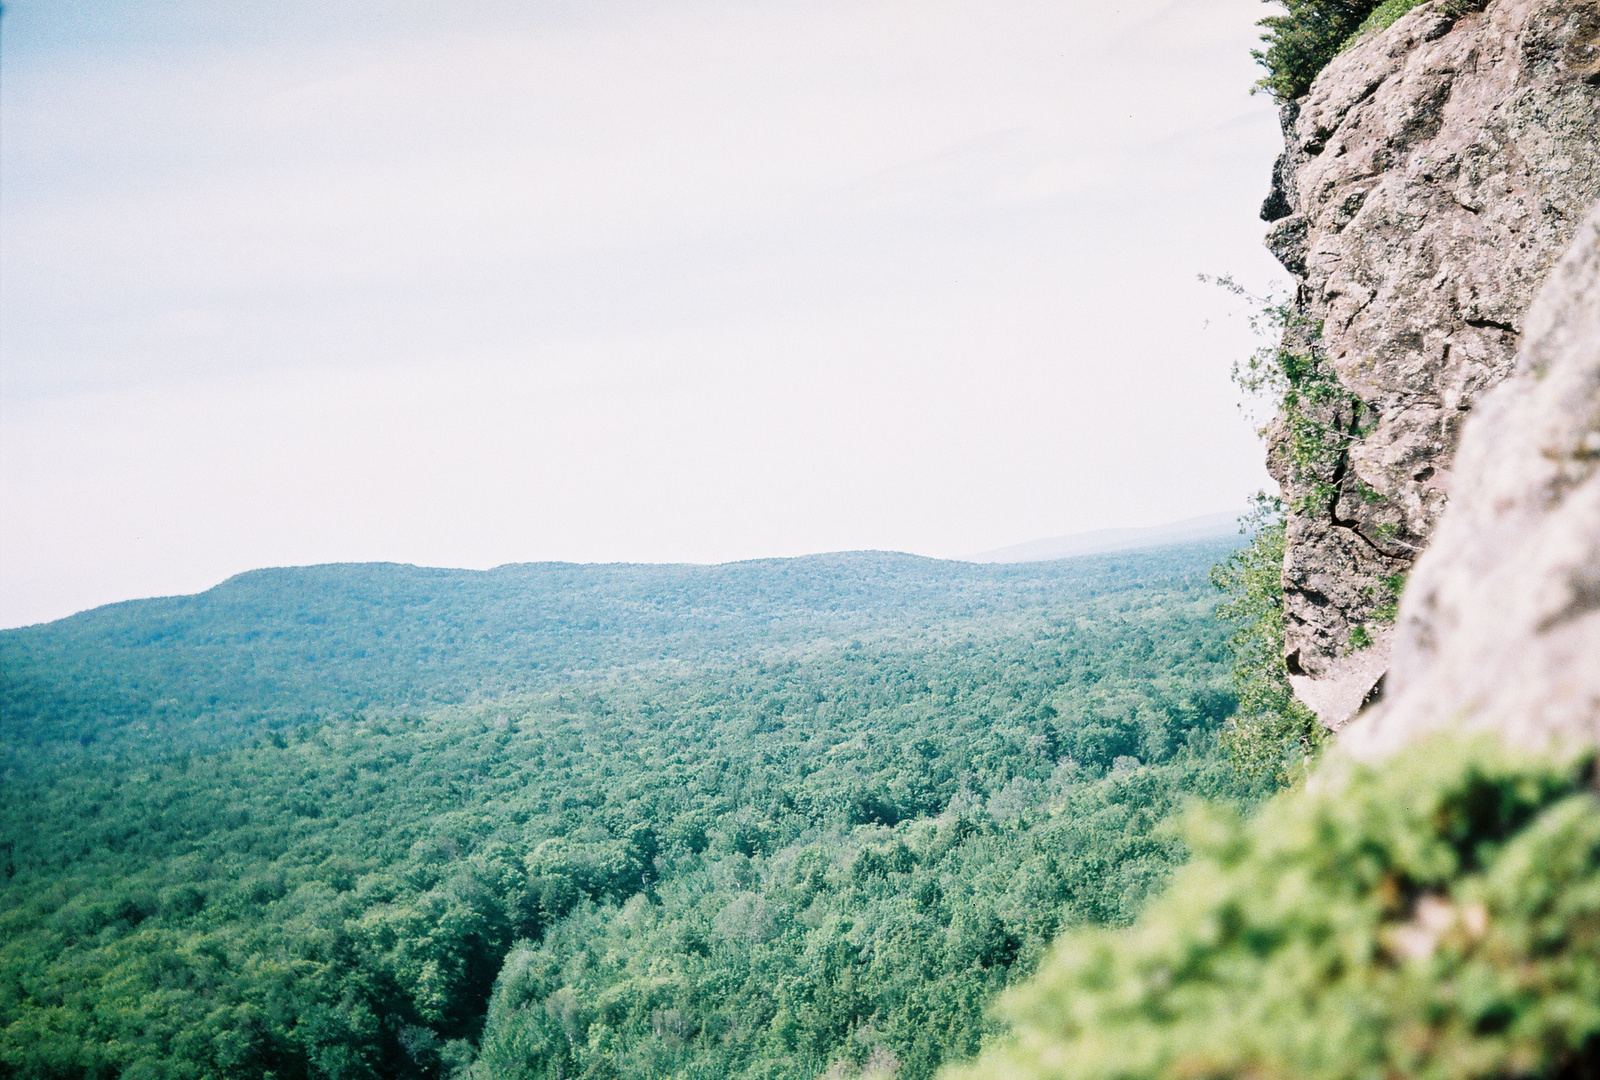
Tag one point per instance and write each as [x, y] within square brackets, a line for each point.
[1430, 180]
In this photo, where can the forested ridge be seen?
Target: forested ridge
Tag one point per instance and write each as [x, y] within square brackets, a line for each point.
[272, 649]
[772, 819]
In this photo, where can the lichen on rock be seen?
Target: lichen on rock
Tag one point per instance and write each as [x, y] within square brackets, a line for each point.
[1430, 179]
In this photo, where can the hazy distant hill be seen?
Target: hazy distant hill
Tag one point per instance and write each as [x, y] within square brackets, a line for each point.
[379, 822]
[284, 646]
[1190, 530]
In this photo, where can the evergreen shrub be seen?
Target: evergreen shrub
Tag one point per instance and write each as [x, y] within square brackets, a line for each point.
[1301, 41]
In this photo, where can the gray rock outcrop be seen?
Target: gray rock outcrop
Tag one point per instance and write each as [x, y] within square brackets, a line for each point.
[1500, 625]
[1431, 178]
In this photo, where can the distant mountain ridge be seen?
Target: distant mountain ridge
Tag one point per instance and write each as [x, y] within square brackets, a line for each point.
[1104, 541]
[289, 645]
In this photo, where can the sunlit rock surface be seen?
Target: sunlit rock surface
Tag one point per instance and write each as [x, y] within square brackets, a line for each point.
[1500, 626]
[1432, 177]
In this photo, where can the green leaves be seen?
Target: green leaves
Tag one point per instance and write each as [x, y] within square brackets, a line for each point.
[1315, 419]
[1271, 734]
[1437, 919]
[864, 944]
[1300, 42]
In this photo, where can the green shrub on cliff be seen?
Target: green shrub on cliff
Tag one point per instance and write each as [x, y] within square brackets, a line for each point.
[1437, 919]
[1303, 39]
[1314, 420]
[1270, 732]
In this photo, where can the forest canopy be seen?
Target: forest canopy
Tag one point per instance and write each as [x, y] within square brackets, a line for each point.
[767, 820]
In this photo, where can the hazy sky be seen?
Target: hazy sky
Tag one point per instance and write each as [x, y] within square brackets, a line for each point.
[471, 283]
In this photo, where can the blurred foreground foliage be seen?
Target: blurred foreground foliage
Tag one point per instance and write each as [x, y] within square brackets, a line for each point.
[1437, 918]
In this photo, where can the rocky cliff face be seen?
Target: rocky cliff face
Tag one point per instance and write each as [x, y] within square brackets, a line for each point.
[1431, 178]
[1500, 625]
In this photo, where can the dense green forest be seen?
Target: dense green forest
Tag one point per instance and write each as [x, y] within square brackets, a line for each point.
[272, 649]
[770, 819]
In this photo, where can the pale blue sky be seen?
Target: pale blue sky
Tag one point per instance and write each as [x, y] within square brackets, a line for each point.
[464, 284]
